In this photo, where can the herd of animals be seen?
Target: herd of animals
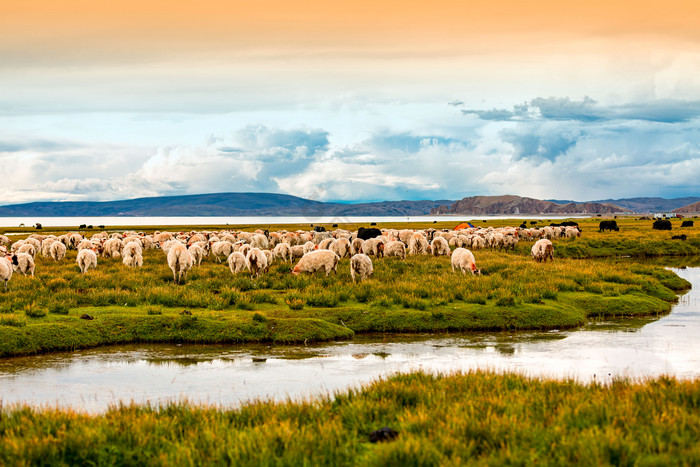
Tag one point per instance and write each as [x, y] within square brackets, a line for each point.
[313, 251]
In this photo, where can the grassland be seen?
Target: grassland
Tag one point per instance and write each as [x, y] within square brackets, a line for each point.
[420, 294]
[476, 418]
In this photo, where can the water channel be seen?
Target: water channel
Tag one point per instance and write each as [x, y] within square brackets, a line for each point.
[92, 380]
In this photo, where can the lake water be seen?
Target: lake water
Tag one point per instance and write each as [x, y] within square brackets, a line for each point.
[259, 220]
[228, 375]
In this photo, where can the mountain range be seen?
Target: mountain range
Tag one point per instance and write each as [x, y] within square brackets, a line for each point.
[271, 204]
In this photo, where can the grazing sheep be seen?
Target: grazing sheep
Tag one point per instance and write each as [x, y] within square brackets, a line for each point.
[395, 248]
[297, 252]
[242, 247]
[283, 251]
[133, 255]
[73, 240]
[180, 261]
[87, 259]
[219, 249]
[325, 243]
[256, 262]
[46, 245]
[478, 242]
[57, 250]
[6, 267]
[259, 241]
[112, 248]
[418, 245]
[341, 247]
[440, 247]
[270, 258]
[361, 265]
[5, 240]
[27, 248]
[356, 245]
[16, 246]
[24, 263]
[85, 244]
[236, 262]
[571, 232]
[543, 249]
[317, 260]
[463, 259]
[373, 246]
[309, 246]
[197, 253]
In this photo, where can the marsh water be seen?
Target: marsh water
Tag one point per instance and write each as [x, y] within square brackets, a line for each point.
[92, 380]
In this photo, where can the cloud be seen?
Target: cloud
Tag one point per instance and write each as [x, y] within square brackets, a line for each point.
[589, 110]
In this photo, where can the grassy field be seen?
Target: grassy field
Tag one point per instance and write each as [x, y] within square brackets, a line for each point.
[476, 418]
[420, 294]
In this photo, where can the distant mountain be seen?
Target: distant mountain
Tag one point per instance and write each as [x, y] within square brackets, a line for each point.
[689, 209]
[219, 204]
[651, 205]
[510, 204]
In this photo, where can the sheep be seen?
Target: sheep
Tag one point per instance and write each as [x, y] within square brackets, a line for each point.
[243, 248]
[543, 249]
[478, 242]
[180, 261]
[356, 246]
[87, 259]
[297, 252]
[85, 244]
[4, 240]
[325, 243]
[282, 251]
[270, 258]
[133, 257]
[373, 246]
[464, 260]
[27, 248]
[259, 241]
[46, 245]
[572, 232]
[24, 263]
[236, 262]
[35, 243]
[73, 240]
[197, 253]
[309, 246]
[418, 245]
[256, 262]
[361, 265]
[440, 247]
[219, 249]
[395, 248]
[16, 246]
[341, 247]
[112, 248]
[57, 251]
[317, 260]
[6, 267]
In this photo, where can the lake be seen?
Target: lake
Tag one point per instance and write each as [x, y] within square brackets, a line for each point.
[91, 380]
[116, 221]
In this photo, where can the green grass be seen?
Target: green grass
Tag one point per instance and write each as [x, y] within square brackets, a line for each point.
[420, 294]
[476, 418]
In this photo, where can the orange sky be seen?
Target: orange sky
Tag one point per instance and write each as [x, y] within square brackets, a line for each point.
[152, 26]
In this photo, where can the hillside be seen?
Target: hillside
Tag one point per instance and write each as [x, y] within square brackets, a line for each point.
[689, 209]
[219, 204]
[651, 205]
[510, 204]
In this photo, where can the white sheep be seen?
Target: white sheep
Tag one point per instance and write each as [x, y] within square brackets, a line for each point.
[57, 250]
[341, 247]
[24, 263]
[297, 251]
[4, 240]
[282, 251]
[87, 259]
[325, 243]
[373, 246]
[236, 262]
[180, 261]
[418, 245]
[133, 255]
[361, 266]
[395, 248]
[256, 262]
[259, 241]
[6, 268]
[197, 253]
[28, 249]
[220, 248]
[317, 260]
[440, 247]
[46, 245]
[463, 259]
[309, 246]
[112, 248]
[542, 249]
[356, 246]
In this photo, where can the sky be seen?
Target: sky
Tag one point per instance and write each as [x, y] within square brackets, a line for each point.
[349, 100]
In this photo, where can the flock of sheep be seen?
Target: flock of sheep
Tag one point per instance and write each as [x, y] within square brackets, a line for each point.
[256, 251]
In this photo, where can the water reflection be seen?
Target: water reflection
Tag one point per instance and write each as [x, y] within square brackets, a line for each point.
[221, 374]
